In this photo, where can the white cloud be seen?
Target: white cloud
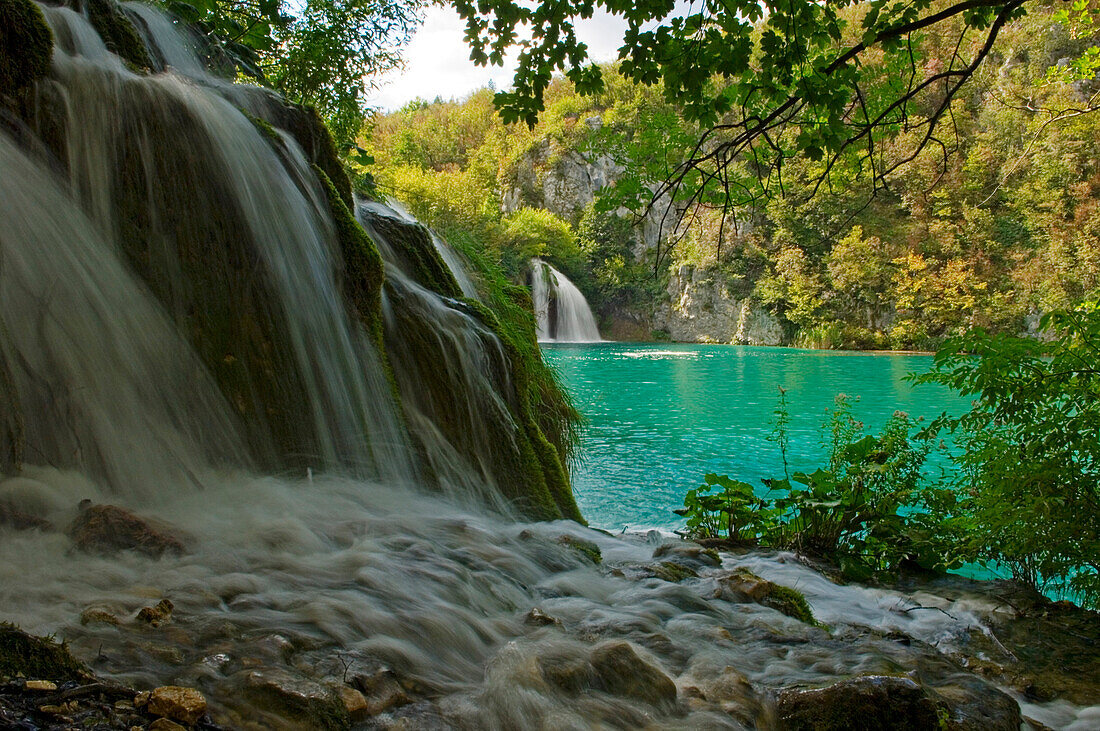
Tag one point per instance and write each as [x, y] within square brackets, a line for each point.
[437, 60]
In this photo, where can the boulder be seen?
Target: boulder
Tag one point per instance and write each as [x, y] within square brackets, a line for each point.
[691, 555]
[302, 702]
[622, 672]
[97, 615]
[744, 585]
[108, 529]
[26, 44]
[177, 703]
[19, 520]
[869, 703]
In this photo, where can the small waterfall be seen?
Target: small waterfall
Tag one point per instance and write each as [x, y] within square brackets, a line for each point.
[561, 311]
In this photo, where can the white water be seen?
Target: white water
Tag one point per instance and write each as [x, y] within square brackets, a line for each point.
[352, 567]
[562, 313]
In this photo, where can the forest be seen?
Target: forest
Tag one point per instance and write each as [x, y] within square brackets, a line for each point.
[991, 231]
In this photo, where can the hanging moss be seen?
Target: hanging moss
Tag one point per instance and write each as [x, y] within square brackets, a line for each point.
[363, 269]
[26, 45]
[36, 658]
[118, 32]
[545, 465]
[412, 245]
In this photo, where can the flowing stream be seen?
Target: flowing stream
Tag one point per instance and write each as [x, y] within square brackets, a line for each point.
[330, 534]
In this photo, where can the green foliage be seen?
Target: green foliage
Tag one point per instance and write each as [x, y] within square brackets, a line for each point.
[1027, 492]
[323, 55]
[866, 510]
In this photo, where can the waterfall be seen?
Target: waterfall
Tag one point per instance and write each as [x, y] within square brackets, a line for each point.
[561, 311]
[193, 327]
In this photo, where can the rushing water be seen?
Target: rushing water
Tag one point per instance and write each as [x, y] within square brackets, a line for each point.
[661, 416]
[319, 575]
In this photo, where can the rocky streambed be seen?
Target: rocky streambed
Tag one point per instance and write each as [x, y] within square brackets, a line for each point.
[464, 621]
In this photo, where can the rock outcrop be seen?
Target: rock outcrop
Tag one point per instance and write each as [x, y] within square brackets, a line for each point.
[702, 309]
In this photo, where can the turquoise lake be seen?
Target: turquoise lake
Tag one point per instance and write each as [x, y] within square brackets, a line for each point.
[660, 416]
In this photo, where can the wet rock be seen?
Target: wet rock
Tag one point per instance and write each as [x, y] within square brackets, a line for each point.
[672, 572]
[177, 703]
[620, 671]
[299, 700]
[383, 691]
[163, 724]
[971, 704]
[869, 703]
[20, 520]
[355, 703]
[566, 672]
[743, 585]
[97, 615]
[157, 615]
[109, 529]
[584, 548]
[538, 618]
[688, 554]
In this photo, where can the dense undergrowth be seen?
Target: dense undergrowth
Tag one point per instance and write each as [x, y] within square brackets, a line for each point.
[1021, 493]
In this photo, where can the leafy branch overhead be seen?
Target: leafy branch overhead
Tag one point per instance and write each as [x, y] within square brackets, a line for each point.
[839, 83]
[323, 53]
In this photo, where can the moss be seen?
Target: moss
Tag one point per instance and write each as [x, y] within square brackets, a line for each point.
[673, 572]
[789, 601]
[548, 490]
[38, 658]
[26, 45]
[364, 272]
[118, 32]
[412, 245]
[264, 128]
[585, 549]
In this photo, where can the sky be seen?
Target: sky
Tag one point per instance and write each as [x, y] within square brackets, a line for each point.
[437, 60]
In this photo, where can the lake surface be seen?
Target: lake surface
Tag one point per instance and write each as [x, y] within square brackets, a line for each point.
[661, 416]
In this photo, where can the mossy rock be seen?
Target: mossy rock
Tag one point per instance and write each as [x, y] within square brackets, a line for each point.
[39, 658]
[304, 124]
[118, 32]
[26, 45]
[672, 572]
[782, 599]
[417, 256]
[584, 548]
[364, 272]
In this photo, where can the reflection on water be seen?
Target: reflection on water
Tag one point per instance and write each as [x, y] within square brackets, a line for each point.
[661, 416]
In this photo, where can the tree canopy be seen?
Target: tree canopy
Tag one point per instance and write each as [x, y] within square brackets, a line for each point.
[324, 53]
[840, 83]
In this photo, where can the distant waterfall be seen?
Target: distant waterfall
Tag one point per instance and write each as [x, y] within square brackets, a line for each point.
[561, 311]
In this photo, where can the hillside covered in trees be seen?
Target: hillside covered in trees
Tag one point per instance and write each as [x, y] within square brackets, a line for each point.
[994, 224]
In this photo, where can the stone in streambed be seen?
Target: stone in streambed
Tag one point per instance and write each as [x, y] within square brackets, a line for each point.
[157, 615]
[691, 555]
[743, 585]
[177, 703]
[620, 671]
[20, 520]
[97, 615]
[300, 701]
[108, 529]
[383, 691]
[869, 703]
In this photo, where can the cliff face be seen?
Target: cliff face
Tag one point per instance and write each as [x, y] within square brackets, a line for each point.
[695, 307]
[701, 309]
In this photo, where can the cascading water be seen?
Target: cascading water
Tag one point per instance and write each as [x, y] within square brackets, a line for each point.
[173, 339]
[561, 311]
